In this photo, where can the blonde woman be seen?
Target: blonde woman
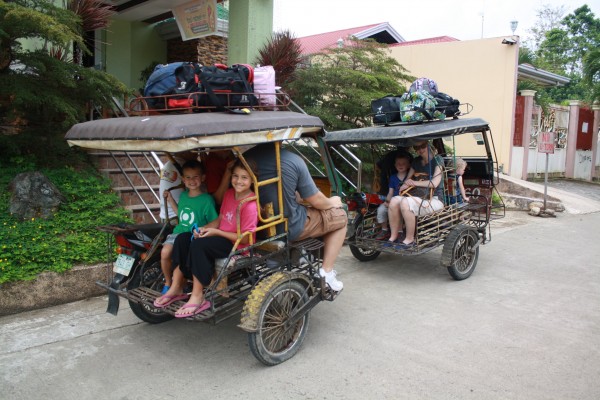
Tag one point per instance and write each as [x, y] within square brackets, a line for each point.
[429, 165]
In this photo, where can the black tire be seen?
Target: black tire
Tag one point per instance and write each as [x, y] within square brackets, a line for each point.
[152, 278]
[458, 254]
[362, 254]
[272, 344]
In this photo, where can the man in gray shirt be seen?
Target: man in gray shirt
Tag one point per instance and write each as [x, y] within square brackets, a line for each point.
[325, 218]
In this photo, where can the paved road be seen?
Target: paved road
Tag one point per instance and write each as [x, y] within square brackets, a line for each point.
[587, 189]
[526, 325]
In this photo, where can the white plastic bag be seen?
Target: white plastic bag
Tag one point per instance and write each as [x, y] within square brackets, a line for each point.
[264, 85]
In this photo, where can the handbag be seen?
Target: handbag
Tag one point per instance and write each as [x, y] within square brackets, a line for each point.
[425, 193]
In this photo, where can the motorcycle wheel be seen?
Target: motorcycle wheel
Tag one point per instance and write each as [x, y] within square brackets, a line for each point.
[150, 275]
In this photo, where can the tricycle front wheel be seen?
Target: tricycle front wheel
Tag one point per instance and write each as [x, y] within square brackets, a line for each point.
[275, 341]
[461, 251]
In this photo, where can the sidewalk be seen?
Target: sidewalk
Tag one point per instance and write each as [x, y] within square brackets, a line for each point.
[577, 197]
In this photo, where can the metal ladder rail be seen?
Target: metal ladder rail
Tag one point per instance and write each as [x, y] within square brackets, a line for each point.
[359, 162]
[143, 177]
[146, 206]
[357, 168]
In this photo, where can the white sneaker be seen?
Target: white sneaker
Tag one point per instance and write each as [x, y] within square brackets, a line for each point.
[331, 280]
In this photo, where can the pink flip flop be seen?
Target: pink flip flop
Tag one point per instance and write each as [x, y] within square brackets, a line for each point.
[198, 308]
[172, 298]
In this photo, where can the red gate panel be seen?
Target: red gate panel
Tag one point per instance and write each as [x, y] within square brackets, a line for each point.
[519, 119]
[586, 120]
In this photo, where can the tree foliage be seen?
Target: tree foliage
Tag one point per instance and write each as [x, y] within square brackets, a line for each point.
[340, 84]
[37, 88]
[548, 18]
[591, 73]
[564, 49]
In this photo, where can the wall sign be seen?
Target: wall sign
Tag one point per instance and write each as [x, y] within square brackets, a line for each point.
[546, 142]
[196, 19]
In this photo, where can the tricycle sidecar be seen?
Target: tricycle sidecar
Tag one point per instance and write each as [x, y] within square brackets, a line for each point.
[459, 227]
[273, 284]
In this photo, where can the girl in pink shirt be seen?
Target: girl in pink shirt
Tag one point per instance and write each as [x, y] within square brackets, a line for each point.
[211, 241]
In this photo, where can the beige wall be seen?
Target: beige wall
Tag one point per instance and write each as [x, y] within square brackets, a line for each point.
[480, 72]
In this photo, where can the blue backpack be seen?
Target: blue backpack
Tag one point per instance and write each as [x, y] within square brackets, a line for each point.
[177, 77]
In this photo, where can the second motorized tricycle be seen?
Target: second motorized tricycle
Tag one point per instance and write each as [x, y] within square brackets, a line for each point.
[459, 227]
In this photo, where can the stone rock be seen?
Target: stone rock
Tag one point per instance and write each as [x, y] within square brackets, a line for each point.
[536, 204]
[34, 196]
[535, 211]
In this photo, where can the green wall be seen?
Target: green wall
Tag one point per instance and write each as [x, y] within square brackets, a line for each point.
[250, 26]
[130, 48]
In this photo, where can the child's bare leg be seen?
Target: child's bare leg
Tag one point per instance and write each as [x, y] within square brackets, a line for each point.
[165, 263]
[410, 221]
[394, 217]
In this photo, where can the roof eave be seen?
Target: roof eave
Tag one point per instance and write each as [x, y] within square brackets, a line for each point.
[379, 28]
[542, 77]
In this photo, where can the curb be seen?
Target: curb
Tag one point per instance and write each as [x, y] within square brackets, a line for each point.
[51, 289]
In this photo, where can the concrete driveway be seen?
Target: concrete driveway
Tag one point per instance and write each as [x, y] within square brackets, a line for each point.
[525, 325]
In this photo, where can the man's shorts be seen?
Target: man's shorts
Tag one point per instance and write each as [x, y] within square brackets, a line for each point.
[171, 239]
[321, 222]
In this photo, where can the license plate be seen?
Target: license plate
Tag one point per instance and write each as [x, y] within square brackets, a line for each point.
[123, 264]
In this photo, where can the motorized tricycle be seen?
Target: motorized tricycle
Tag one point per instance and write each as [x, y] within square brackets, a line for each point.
[271, 285]
[459, 227]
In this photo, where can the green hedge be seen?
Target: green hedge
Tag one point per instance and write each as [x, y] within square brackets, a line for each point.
[68, 239]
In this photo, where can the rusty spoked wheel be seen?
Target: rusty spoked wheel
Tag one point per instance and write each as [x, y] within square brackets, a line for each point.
[277, 339]
[461, 251]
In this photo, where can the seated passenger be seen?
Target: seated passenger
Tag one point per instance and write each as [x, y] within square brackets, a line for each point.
[386, 168]
[459, 165]
[325, 218]
[402, 163]
[211, 241]
[408, 207]
[193, 206]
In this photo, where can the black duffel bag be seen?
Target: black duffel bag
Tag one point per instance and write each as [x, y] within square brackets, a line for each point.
[187, 86]
[446, 104]
[227, 87]
[386, 109]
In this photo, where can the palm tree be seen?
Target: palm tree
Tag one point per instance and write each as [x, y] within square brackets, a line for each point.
[591, 72]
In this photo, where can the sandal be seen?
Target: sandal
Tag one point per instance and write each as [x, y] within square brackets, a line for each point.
[171, 298]
[197, 309]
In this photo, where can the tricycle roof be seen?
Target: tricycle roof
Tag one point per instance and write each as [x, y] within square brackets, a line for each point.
[408, 133]
[181, 132]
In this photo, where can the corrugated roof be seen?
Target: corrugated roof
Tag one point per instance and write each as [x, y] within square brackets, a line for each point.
[437, 39]
[542, 77]
[316, 43]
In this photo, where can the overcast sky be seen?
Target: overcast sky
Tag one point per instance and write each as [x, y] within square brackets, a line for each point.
[420, 19]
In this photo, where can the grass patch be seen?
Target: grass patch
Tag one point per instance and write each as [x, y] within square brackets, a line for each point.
[68, 239]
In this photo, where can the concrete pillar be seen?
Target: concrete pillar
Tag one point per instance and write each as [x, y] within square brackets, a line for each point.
[527, 113]
[572, 138]
[250, 26]
[596, 109]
